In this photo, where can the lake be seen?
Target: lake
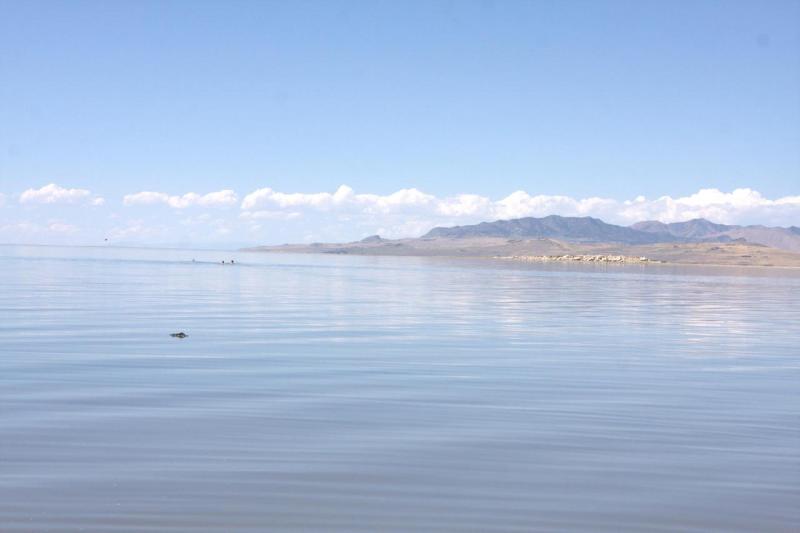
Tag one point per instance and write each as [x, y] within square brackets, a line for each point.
[385, 394]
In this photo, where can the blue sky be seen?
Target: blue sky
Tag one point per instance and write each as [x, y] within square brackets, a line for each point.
[611, 100]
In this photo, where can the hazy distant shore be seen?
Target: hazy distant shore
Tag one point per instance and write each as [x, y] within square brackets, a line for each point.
[712, 253]
[587, 240]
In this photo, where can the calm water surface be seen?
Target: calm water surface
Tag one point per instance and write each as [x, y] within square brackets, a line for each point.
[321, 393]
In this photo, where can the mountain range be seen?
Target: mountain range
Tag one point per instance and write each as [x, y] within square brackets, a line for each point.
[702, 230]
[593, 230]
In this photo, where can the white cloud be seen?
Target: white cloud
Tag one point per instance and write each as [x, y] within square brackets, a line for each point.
[410, 212]
[521, 204]
[220, 198]
[267, 215]
[344, 197]
[738, 206]
[464, 205]
[267, 196]
[224, 198]
[345, 200]
[54, 194]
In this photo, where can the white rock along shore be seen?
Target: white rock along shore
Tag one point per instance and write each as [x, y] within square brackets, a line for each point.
[580, 258]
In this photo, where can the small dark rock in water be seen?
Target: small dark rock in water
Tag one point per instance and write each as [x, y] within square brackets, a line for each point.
[180, 335]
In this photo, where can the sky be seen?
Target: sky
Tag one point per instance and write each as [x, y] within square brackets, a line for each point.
[235, 123]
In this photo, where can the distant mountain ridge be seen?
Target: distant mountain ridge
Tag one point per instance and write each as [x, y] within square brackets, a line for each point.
[593, 230]
[574, 229]
[700, 229]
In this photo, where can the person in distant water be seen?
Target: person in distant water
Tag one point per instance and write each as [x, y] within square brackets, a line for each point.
[223, 261]
[232, 261]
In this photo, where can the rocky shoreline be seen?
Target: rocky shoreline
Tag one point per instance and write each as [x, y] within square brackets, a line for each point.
[578, 258]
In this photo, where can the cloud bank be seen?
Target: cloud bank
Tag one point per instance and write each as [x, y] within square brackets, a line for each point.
[266, 215]
[738, 206]
[224, 198]
[53, 194]
[343, 197]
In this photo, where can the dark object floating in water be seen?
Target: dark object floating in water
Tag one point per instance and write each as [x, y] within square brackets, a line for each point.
[180, 335]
